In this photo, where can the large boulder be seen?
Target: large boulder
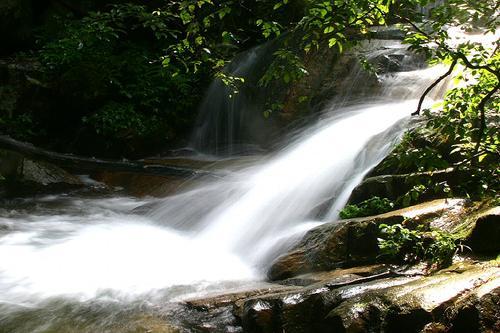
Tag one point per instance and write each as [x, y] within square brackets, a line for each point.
[347, 243]
[318, 295]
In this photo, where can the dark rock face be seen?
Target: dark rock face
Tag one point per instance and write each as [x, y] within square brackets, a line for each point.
[223, 313]
[485, 237]
[45, 174]
[140, 185]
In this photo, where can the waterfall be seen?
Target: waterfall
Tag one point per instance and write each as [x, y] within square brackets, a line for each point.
[230, 123]
[254, 208]
[214, 230]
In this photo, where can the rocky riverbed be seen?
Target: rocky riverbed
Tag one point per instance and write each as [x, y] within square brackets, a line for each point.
[334, 283]
[332, 280]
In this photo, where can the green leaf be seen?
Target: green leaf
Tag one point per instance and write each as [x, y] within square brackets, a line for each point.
[328, 30]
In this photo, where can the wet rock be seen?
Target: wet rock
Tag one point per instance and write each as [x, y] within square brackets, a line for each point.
[412, 306]
[488, 306]
[485, 235]
[209, 303]
[398, 304]
[145, 324]
[222, 313]
[305, 310]
[347, 243]
[337, 276]
[46, 174]
[10, 163]
[434, 328]
[267, 313]
[376, 298]
[331, 75]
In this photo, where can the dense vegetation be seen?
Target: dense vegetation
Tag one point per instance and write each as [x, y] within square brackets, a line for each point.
[130, 73]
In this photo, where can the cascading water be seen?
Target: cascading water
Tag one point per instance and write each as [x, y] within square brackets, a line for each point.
[76, 249]
[230, 123]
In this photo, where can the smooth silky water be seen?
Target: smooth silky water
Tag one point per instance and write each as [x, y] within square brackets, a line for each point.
[82, 263]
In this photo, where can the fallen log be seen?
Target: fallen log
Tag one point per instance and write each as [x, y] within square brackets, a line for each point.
[80, 164]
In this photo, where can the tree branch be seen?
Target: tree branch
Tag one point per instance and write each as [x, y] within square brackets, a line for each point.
[434, 84]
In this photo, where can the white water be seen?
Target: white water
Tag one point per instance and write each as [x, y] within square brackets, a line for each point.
[224, 230]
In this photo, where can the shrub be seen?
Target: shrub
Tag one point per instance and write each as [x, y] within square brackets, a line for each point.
[373, 206]
[411, 246]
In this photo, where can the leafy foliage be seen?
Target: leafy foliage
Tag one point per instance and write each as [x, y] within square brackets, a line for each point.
[323, 24]
[411, 246]
[286, 67]
[121, 121]
[372, 206]
[21, 126]
[464, 132]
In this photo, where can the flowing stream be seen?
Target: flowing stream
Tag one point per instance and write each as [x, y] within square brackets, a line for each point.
[87, 262]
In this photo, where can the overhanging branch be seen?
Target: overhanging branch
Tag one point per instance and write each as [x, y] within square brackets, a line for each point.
[434, 84]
